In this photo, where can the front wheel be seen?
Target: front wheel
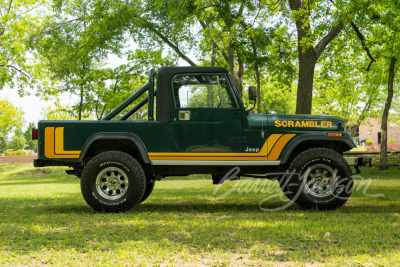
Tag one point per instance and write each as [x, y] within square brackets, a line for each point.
[113, 181]
[321, 179]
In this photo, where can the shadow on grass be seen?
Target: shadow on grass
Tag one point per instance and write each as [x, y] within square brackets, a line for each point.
[39, 181]
[69, 205]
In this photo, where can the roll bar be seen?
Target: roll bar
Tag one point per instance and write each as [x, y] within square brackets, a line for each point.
[149, 86]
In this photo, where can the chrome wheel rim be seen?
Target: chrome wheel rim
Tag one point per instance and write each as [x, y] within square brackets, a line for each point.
[112, 183]
[320, 180]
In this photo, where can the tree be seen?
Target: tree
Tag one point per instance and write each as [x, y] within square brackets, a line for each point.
[17, 143]
[231, 33]
[18, 20]
[308, 52]
[74, 46]
[60, 112]
[380, 20]
[344, 87]
[385, 114]
[11, 118]
[30, 144]
[76, 42]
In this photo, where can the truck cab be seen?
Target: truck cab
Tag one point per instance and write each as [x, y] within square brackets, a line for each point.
[201, 125]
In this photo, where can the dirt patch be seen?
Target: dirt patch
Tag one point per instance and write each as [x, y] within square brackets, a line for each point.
[36, 171]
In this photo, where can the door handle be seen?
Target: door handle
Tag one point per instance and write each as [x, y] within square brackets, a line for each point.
[184, 115]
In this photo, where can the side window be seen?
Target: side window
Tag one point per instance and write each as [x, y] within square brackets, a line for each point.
[202, 91]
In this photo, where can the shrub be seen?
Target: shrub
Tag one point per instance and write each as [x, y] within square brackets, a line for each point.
[373, 148]
[15, 153]
[393, 147]
[19, 153]
[369, 142]
[391, 141]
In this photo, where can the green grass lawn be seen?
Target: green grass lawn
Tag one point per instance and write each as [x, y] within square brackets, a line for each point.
[359, 149]
[44, 220]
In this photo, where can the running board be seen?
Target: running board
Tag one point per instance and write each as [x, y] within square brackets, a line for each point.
[217, 162]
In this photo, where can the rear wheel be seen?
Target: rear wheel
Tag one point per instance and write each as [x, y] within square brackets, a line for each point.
[113, 181]
[322, 180]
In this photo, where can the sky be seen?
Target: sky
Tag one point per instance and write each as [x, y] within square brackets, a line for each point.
[31, 105]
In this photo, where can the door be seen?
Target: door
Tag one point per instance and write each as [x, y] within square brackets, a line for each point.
[206, 117]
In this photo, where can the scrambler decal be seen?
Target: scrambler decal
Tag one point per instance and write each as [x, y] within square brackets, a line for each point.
[271, 150]
[54, 144]
[303, 124]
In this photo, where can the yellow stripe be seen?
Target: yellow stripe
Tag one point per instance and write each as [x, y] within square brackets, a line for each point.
[272, 140]
[59, 142]
[273, 145]
[54, 144]
[279, 146]
[49, 142]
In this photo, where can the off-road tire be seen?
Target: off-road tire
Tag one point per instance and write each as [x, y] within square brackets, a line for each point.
[149, 189]
[283, 182]
[113, 181]
[322, 180]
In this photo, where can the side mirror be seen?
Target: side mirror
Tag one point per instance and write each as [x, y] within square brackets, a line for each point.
[252, 93]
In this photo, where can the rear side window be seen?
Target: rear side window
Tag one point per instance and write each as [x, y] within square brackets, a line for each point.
[202, 91]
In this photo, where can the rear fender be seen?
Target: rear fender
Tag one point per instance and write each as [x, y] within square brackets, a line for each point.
[130, 138]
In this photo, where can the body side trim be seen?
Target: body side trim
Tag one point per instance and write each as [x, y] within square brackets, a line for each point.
[217, 162]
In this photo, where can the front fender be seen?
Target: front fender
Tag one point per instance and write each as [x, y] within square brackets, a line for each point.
[307, 138]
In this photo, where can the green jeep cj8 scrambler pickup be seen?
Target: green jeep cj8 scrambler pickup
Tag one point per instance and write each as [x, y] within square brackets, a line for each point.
[201, 126]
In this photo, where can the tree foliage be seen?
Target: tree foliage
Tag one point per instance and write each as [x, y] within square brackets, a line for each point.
[30, 144]
[75, 46]
[11, 119]
[17, 143]
[18, 20]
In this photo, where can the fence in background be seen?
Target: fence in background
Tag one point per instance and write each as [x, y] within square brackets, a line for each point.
[18, 159]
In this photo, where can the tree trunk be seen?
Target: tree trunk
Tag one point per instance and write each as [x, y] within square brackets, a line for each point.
[308, 55]
[307, 61]
[354, 130]
[257, 70]
[237, 74]
[385, 115]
